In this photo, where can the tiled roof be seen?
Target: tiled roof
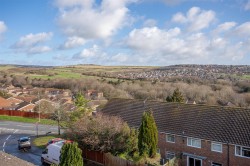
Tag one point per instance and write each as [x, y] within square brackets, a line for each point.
[14, 100]
[4, 103]
[215, 123]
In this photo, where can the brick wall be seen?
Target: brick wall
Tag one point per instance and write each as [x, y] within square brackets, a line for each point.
[180, 146]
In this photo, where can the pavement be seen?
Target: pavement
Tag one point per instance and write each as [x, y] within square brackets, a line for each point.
[9, 160]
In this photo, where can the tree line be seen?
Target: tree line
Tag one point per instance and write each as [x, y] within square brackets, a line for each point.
[219, 92]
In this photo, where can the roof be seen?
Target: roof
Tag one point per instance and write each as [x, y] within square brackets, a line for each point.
[21, 105]
[9, 160]
[215, 123]
[14, 100]
[4, 103]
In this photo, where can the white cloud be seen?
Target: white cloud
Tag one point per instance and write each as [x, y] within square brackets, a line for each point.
[73, 42]
[243, 30]
[90, 20]
[226, 26]
[96, 55]
[120, 58]
[31, 43]
[33, 39]
[196, 18]
[247, 5]
[150, 23]
[93, 52]
[38, 49]
[3, 28]
[162, 46]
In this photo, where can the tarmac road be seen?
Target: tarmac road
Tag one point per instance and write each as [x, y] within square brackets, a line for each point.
[10, 132]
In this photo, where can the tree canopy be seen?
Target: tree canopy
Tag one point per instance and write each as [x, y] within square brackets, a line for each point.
[71, 155]
[148, 135]
[176, 97]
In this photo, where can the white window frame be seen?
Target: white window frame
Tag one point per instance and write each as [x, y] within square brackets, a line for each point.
[192, 158]
[196, 139]
[216, 143]
[167, 136]
[240, 155]
[170, 153]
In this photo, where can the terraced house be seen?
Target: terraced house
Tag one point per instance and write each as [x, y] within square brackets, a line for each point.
[199, 135]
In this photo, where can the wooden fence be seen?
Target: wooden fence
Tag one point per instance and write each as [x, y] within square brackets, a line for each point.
[110, 160]
[106, 159]
[22, 114]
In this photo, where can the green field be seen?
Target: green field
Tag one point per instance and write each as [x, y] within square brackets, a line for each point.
[71, 72]
[27, 120]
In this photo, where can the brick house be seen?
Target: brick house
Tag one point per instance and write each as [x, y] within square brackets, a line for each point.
[199, 135]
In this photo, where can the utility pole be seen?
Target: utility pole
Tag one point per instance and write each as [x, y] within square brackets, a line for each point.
[39, 116]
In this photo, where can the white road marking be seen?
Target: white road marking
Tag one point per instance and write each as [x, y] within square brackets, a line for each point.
[15, 131]
[8, 137]
[25, 125]
[4, 144]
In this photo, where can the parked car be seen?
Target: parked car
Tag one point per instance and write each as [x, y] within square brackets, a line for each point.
[54, 140]
[24, 142]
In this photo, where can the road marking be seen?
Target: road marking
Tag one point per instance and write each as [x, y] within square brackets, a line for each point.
[15, 131]
[25, 126]
[8, 137]
[4, 144]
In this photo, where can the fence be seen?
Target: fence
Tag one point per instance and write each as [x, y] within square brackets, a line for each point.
[107, 159]
[22, 114]
[110, 160]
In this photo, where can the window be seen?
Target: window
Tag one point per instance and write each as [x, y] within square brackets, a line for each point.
[170, 138]
[193, 161]
[242, 151]
[169, 155]
[194, 142]
[216, 147]
[216, 164]
[159, 150]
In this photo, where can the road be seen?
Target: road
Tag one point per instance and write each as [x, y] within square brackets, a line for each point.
[10, 132]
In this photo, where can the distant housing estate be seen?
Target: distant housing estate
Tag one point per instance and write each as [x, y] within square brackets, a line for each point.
[200, 134]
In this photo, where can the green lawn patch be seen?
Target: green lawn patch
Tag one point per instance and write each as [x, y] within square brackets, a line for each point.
[41, 142]
[27, 120]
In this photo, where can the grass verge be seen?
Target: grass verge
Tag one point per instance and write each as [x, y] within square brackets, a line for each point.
[27, 120]
[41, 141]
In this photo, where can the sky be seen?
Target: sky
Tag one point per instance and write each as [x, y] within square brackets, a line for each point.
[124, 32]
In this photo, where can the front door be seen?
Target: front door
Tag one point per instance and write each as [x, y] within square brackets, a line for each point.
[194, 161]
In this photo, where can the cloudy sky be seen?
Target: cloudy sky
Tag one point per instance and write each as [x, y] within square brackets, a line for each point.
[124, 32]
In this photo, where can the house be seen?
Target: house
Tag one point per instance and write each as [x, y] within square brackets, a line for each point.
[199, 135]
[5, 104]
[14, 101]
[26, 106]
[93, 94]
[190, 102]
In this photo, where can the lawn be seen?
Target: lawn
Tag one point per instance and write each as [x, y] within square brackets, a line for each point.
[41, 142]
[27, 120]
